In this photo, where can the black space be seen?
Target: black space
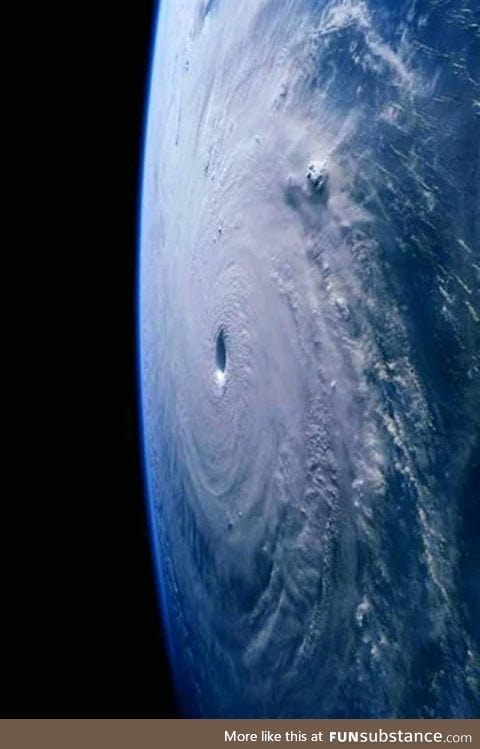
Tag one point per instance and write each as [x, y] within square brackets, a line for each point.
[80, 630]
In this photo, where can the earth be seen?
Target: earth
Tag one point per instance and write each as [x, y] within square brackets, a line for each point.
[310, 354]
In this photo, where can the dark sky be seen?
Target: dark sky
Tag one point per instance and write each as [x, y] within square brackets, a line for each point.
[80, 629]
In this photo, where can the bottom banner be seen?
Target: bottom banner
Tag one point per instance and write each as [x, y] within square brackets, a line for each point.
[221, 734]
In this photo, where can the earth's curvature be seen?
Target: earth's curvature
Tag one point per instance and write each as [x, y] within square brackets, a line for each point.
[310, 354]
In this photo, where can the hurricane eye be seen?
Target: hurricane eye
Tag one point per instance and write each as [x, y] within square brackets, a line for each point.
[221, 353]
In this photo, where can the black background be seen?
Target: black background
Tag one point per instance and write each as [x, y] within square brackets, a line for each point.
[81, 634]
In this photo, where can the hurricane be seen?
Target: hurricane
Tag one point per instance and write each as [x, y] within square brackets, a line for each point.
[309, 316]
